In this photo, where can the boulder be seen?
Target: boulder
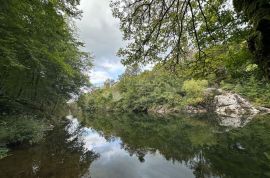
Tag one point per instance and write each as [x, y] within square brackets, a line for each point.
[233, 105]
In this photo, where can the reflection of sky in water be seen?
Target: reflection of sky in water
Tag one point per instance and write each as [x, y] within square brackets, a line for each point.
[115, 162]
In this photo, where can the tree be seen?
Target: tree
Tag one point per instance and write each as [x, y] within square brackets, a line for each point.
[131, 70]
[40, 61]
[160, 30]
[257, 13]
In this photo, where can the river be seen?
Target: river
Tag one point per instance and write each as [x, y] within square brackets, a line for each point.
[143, 146]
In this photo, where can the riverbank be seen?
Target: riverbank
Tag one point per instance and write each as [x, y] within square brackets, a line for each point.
[194, 96]
[228, 108]
[26, 128]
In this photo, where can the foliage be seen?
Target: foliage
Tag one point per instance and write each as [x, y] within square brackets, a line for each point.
[255, 90]
[230, 67]
[231, 61]
[41, 64]
[162, 31]
[131, 70]
[21, 129]
[58, 146]
[137, 93]
[194, 90]
[146, 91]
[257, 13]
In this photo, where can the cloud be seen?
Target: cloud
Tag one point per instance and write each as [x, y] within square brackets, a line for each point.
[98, 76]
[102, 37]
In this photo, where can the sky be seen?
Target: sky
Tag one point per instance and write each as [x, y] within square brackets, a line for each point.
[99, 30]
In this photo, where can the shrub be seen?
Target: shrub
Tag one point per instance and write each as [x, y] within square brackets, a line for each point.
[21, 129]
[194, 90]
[253, 89]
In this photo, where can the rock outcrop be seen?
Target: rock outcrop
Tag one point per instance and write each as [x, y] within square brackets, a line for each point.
[232, 110]
[235, 111]
[233, 105]
[263, 109]
[195, 109]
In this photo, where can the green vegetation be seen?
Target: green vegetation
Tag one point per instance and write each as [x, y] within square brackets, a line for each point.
[21, 129]
[194, 90]
[138, 93]
[253, 89]
[41, 65]
[194, 45]
[173, 87]
[257, 13]
[54, 156]
[158, 31]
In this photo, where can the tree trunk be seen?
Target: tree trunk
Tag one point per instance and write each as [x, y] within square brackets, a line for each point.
[259, 44]
[264, 28]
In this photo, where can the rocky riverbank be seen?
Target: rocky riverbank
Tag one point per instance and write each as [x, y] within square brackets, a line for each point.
[232, 109]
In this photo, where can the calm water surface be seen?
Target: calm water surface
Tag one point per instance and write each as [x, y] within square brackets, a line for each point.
[142, 146]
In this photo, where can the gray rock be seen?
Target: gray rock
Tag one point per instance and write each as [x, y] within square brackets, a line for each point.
[234, 122]
[195, 110]
[212, 91]
[263, 109]
[233, 105]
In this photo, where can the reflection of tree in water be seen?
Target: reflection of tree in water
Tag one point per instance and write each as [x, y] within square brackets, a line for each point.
[201, 166]
[243, 152]
[62, 154]
[194, 142]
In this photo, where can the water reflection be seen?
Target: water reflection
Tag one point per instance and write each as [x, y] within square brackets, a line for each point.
[118, 160]
[186, 146]
[134, 146]
[61, 154]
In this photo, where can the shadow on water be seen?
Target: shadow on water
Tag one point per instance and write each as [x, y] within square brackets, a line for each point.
[61, 154]
[135, 146]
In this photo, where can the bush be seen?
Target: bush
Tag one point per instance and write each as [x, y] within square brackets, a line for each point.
[253, 89]
[194, 90]
[136, 93]
[21, 129]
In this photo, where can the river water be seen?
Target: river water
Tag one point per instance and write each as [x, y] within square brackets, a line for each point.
[143, 146]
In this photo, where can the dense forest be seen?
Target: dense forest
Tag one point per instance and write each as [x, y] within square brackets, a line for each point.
[193, 45]
[41, 65]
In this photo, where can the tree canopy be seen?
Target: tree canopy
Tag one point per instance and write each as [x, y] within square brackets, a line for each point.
[41, 63]
[175, 30]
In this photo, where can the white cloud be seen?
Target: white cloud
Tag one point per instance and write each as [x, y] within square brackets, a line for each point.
[111, 66]
[98, 76]
[101, 35]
